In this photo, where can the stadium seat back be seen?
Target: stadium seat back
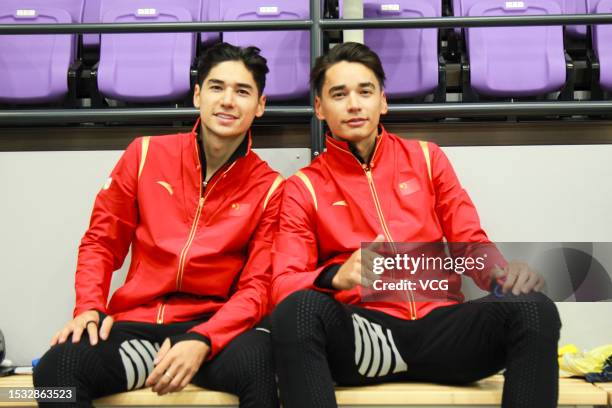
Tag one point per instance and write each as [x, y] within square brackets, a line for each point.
[602, 43]
[211, 11]
[34, 68]
[91, 14]
[575, 7]
[409, 56]
[287, 52]
[147, 67]
[461, 8]
[73, 7]
[516, 61]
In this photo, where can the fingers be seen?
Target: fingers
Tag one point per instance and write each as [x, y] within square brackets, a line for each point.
[364, 270]
[157, 379]
[76, 333]
[106, 326]
[163, 381]
[65, 332]
[511, 277]
[178, 366]
[530, 283]
[86, 321]
[375, 245]
[166, 346]
[161, 365]
[186, 380]
[54, 339]
[92, 331]
[521, 279]
[174, 381]
[169, 376]
[498, 273]
[540, 283]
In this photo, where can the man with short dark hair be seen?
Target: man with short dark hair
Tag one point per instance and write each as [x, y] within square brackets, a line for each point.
[371, 186]
[199, 211]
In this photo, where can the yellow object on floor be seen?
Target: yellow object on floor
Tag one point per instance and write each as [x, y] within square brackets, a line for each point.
[573, 362]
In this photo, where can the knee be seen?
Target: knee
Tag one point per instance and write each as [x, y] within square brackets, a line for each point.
[53, 367]
[300, 313]
[64, 365]
[299, 305]
[536, 313]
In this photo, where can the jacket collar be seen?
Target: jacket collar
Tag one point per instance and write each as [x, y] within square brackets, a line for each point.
[243, 149]
[340, 151]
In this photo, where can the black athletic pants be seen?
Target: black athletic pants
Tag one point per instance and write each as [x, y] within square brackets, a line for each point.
[319, 341]
[125, 360]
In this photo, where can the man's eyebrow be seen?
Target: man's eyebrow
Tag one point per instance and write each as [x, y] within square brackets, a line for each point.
[243, 85]
[215, 81]
[239, 84]
[367, 85]
[336, 88]
[362, 85]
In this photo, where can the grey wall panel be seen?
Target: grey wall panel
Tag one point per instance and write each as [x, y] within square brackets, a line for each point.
[523, 193]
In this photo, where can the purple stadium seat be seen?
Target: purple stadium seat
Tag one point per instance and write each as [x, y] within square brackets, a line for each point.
[602, 43]
[287, 52]
[461, 8]
[409, 56]
[458, 12]
[591, 6]
[147, 67]
[211, 11]
[34, 68]
[575, 7]
[516, 61]
[91, 14]
[73, 7]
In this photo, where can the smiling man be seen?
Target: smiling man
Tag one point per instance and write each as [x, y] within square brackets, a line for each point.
[370, 185]
[199, 211]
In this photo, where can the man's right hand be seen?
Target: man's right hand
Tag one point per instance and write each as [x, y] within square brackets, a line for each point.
[89, 321]
[351, 272]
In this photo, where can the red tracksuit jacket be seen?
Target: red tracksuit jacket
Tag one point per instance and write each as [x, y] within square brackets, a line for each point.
[196, 250]
[408, 192]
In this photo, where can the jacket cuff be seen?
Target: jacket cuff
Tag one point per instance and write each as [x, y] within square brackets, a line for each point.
[189, 336]
[325, 278]
[85, 308]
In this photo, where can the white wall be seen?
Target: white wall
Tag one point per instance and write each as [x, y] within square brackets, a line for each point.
[546, 194]
[527, 193]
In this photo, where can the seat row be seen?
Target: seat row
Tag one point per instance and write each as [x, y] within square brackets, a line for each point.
[155, 67]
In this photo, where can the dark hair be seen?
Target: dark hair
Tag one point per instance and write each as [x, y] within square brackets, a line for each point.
[350, 52]
[218, 53]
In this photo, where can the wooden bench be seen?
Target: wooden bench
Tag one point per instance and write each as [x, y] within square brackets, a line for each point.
[572, 392]
[607, 387]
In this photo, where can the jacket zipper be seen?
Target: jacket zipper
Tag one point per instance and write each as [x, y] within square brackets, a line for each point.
[368, 172]
[160, 312]
[187, 245]
[183, 257]
[190, 238]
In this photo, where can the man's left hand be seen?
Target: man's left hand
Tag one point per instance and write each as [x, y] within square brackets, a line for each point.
[519, 278]
[176, 365]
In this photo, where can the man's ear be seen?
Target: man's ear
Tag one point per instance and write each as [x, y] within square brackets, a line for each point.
[196, 96]
[317, 108]
[384, 108]
[261, 106]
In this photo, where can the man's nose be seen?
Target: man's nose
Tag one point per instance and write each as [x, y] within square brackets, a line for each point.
[228, 97]
[353, 102]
